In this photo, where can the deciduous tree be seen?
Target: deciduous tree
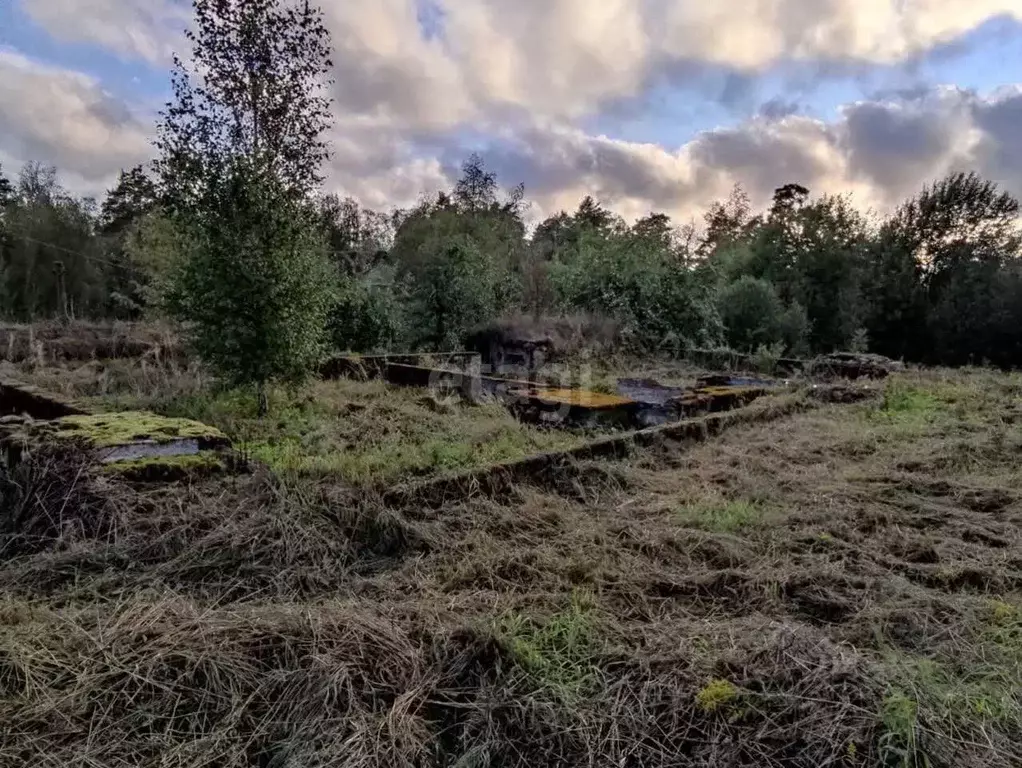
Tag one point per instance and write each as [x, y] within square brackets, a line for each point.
[241, 151]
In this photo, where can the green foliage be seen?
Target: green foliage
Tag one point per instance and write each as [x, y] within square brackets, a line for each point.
[358, 239]
[452, 287]
[794, 328]
[658, 301]
[903, 400]
[133, 196]
[940, 281]
[963, 238]
[52, 264]
[365, 316]
[256, 284]
[460, 259]
[899, 745]
[558, 654]
[155, 248]
[752, 313]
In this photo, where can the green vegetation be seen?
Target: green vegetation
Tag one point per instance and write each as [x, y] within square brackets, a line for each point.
[253, 285]
[717, 695]
[366, 433]
[559, 654]
[936, 282]
[111, 429]
[907, 405]
[899, 740]
[721, 516]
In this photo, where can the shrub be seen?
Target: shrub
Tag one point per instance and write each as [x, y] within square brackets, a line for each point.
[365, 317]
[752, 314]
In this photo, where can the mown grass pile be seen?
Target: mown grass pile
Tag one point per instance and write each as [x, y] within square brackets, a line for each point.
[842, 587]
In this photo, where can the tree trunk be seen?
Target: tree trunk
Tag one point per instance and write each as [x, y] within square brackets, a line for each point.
[264, 399]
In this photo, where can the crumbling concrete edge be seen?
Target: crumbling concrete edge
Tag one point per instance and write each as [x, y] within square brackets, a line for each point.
[17, 398]
[498, 479]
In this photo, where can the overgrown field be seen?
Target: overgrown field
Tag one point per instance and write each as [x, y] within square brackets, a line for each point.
[840, 587]
[367, 434]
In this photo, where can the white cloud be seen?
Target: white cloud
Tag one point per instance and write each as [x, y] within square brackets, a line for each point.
[557, 58]
[521, 76]
[65, 118]
[753, 34]
[144, 29]
[879, 151]
[554, 57]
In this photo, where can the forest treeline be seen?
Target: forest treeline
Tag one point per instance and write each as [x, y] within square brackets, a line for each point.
[939, 281]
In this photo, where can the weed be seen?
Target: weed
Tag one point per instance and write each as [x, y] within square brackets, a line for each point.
[1002, 613]
[559, 653]
[907, 404]
[899, 745]
[952, 696]
[721, 517]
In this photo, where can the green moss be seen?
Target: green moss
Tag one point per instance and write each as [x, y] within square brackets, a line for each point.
[164, 467]
[716, 694]
[113, 429]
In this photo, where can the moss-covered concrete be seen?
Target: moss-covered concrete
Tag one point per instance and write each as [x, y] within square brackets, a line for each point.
[168, 468]
[114, 429]
[130, 444]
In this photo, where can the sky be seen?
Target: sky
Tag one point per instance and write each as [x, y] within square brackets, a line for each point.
[648, 105]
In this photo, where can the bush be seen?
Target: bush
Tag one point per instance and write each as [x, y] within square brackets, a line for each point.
[256, 286]
[659, 303]
[752, 313]
[795, 328]
[365, 318]
[451, 287]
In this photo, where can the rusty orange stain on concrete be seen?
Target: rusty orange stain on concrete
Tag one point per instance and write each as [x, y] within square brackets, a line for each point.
[580, 397]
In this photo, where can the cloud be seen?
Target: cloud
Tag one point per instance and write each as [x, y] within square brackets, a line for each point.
[896, 144]
[754, 34]
[997, 145]
[879, 151]
[521, 78]
[149, 30]
[386, 67]
[65, 118]
[555, 58]
[779, 107]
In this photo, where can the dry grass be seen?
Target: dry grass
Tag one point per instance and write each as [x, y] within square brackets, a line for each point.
[361, 433]
[42, 344]
[369, 433]
[842, 588]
